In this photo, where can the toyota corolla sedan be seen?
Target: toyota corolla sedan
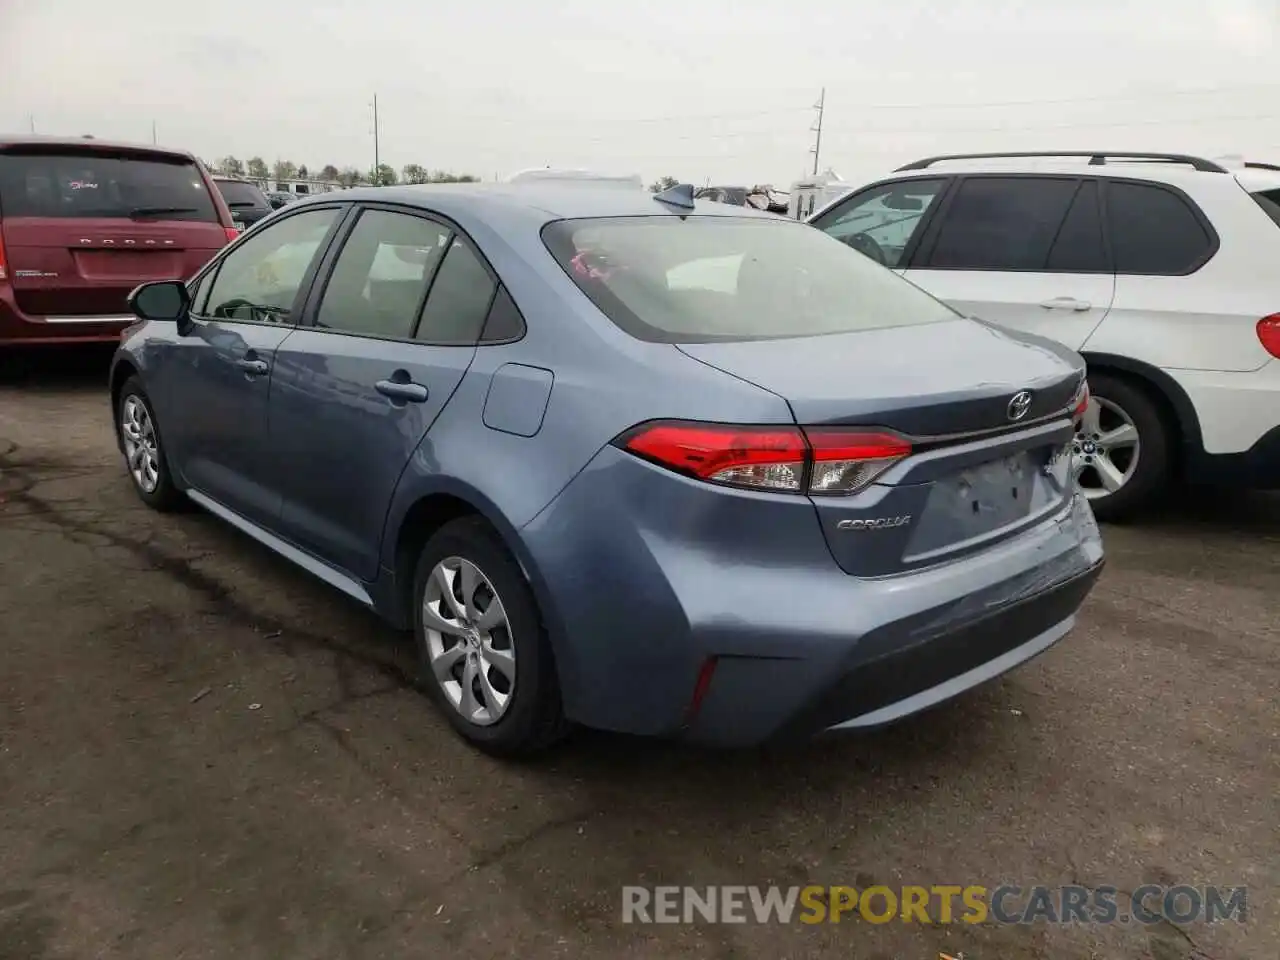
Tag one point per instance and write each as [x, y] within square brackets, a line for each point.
[629, 461]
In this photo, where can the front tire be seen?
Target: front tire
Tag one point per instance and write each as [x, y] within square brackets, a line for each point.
[143, 449]
[484, 655]
[1121, 451]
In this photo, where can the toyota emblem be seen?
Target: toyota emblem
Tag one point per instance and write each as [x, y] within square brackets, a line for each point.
[1019, 405]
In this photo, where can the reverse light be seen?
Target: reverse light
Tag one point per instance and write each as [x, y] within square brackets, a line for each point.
[823, 461]
[1269, 334]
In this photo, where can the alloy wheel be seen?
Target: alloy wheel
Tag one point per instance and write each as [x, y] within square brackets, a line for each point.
[469, 641]
[1105, 451]
[141, 446]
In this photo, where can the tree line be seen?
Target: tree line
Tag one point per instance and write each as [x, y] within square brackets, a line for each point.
[384, 175]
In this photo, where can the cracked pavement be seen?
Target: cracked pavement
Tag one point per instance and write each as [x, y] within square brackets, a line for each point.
[206, 753]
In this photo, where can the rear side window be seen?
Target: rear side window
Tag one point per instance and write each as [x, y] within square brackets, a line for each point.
[698, 279]
[459, 299]
[1002, 223]
[1153, 231]
[80, 184]
[1269, 201]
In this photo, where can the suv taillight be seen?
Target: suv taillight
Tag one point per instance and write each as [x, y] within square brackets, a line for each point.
[232, 233]
[822, 461]
[1269, 334]
[4, 270]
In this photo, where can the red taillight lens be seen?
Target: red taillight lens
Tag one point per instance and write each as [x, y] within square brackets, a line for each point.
[766, 458]
[1269, 334]
[4, 269]
[1081, 401]
[819, 460]
[232, 233]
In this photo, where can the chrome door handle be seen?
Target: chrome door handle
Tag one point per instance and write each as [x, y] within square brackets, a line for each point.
[253, 366]
[396, 390]
[1067, 303]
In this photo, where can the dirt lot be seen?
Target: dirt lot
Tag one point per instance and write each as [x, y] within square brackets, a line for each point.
[205, 753]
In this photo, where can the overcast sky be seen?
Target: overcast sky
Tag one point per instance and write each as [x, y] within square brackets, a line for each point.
[698, 89]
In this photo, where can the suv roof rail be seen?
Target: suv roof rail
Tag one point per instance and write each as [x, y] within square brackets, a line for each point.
[1252, 165]
[1096, 158]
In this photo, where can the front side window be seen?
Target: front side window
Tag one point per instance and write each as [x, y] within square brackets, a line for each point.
[1002, 223]
[702, 278]
[881, 222]
[1153, 231]
[259, 280]
[381, 275]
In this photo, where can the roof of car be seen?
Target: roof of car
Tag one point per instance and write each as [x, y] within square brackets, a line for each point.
[546, 200]
[87, 143]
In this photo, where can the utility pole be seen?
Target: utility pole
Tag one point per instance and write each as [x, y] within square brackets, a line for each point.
[820, 106]
[32, 118]
[376, 159]
[153, 131]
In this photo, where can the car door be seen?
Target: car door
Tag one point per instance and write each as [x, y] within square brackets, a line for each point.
[884, 221]
[217, 377]
[384, 346]
[1025, 252]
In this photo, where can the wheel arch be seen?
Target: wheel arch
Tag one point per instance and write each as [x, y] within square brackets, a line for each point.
[412, 522]
[121, 371]
[1172, 401]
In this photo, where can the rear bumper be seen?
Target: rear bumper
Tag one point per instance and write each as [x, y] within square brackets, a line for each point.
[1257, 468]
[644, 586]
[18, 328]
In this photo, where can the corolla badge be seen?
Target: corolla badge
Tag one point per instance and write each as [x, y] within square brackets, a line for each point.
[1019, 405]
[879, 523]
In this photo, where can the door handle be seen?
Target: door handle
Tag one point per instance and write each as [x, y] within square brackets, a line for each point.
[402, 391]
[1067, 303]
[253, 366]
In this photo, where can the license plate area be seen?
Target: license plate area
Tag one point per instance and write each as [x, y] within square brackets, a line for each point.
[981, 501]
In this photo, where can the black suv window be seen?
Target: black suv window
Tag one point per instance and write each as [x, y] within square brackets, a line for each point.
[1002, 223]
[1079, 247]
[241, 195]
[1153, 231]
[82, 183]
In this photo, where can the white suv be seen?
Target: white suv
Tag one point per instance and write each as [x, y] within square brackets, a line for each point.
[1162, 270]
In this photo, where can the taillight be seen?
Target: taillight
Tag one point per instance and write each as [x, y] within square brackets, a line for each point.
[1269, 334]
[1080, 402]
[4, 270]
[232, 233]
[823, 461]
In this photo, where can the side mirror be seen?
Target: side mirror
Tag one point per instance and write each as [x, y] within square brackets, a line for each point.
[163, 300]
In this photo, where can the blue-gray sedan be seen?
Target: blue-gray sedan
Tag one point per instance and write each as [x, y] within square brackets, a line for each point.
[619, 459]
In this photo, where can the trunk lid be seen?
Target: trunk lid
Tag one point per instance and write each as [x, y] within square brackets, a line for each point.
[976, 474]
[83, 227]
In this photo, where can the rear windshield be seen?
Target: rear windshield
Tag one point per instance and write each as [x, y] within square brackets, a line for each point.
[1269, 200]
[700, 279]
[82, 184]
[239, 194]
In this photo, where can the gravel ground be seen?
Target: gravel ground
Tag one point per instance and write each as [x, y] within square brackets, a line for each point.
[205, 753]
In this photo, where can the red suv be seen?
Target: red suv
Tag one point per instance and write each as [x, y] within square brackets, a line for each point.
[83, 222]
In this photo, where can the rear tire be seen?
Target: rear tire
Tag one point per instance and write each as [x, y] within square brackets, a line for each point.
[484, 655]
[144, 451]
[1121, 479]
